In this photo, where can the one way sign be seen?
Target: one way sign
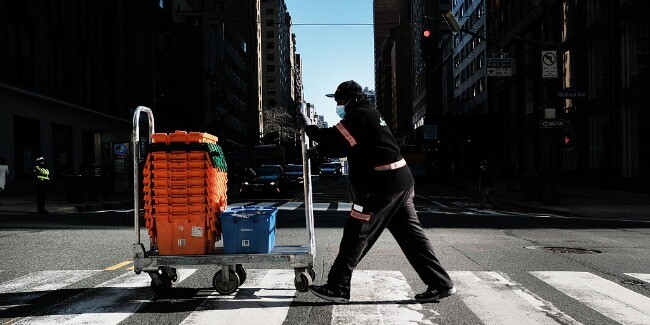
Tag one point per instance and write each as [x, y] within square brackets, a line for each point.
[549, 124]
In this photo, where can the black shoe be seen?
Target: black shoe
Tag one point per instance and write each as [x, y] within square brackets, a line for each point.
[435, 294]
[339, 295]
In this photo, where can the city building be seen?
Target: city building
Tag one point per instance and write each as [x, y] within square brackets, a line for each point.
[277, 55]
[573, 110]
[71, 76]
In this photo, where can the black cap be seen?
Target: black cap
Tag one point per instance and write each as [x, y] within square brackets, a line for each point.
[347, 90]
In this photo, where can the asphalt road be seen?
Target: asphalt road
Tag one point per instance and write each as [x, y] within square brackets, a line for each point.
[510, 267]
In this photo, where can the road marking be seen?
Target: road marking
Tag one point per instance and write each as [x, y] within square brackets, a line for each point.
[380, 297]
[265, 298]
[290, 206]
[606, 297]
[432, 201]
[344, 206]
[36, 284]
[497, 300]
[321, 206]
[640, 276]
[118, 266]
[265, 204]
[108, 303]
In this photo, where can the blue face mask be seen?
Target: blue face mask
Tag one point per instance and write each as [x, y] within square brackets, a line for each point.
[340, 111]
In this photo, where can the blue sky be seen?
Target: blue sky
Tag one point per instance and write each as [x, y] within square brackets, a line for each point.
[333, 54]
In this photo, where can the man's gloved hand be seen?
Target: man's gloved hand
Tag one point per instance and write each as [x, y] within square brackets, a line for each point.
[312, 152]
[302, 120]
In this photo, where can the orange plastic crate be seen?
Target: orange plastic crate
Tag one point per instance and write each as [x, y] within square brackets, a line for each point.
[180, 235]
[197, 165]
[160, 173]
[160, 165]
[197, 155]
[160, 138]
[158, 155]
[201, 137]
[178, 136]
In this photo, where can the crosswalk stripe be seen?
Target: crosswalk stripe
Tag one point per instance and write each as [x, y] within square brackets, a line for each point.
[640, 276]
[379, 297]
[108, 303]
[606, 297]
[344, 206]
[321, 206]
[266, 297]
[290, 206]
[36, 284]
[264, 204]
[496, 300]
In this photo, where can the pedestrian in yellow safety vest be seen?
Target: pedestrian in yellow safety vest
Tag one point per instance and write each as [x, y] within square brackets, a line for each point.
[42, 182]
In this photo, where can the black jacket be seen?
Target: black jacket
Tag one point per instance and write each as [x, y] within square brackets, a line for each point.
[366, 140]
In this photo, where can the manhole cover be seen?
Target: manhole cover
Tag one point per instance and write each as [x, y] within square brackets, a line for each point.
[573, 250]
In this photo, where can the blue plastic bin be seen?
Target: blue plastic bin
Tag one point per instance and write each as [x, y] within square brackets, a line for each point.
[248, 230]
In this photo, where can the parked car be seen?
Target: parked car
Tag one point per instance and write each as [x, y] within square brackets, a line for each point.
[294, 174]
[331, 169]
[266, 179]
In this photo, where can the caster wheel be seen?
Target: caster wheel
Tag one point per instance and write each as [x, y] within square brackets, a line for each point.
[173, 276]
[312, 273]
[228, 287]
[302, 281]
[160, 284]
[241, 271]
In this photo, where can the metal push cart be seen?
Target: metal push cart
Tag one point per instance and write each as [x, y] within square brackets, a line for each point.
[232, 273]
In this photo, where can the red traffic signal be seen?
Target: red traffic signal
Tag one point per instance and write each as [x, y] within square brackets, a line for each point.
[426, 33]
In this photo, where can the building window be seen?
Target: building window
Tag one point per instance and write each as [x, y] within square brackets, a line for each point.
[270, 91]
[269, 11]
[270, 57]
[270, 79]
[270, 68]
[270, 34]
[270, 45]
[270, 22]
[271, 102]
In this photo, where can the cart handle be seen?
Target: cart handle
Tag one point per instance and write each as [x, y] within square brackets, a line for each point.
[135, 141]
[306, 170]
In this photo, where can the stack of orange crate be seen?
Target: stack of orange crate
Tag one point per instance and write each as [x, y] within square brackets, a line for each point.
[183, 193]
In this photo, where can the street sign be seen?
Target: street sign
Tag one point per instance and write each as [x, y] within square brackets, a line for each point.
[430, 132]
[499, 67]
[549, 64]
[571, 93]
[551, 124]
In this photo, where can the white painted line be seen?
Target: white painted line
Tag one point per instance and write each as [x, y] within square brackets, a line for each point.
[36, 284]
[641, 276]
[380, 297]
[264, 204]
[606, 297]
[344, 206]
[290, 206]
[264, 298]
[432, 201]
[321, 206]
[108, 303]
[496, 300]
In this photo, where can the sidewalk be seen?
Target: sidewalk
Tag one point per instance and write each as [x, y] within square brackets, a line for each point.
[578, 201]
[58, 204]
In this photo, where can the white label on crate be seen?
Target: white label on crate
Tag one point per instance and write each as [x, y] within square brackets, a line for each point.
[181, 228]
[245, 229]
[245, 243]
[197, 232]
[181, 242]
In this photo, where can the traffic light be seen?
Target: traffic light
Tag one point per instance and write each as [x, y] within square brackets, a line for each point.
[426, 41]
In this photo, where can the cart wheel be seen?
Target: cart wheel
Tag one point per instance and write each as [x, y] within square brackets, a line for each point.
[302, 281]
[241, 271]
[228, 287]
[160, 283]
[173, 276]
[312, 273]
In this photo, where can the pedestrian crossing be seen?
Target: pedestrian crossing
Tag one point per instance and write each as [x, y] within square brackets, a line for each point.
[329, 206]
[377, 297]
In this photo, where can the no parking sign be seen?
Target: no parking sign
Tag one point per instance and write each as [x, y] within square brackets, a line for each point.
[549, 64]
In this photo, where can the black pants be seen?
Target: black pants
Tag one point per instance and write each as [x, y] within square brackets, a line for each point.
[41, 193]
[396, 212]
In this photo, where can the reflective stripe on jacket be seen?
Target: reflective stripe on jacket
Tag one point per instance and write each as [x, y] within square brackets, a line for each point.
[42, 173]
